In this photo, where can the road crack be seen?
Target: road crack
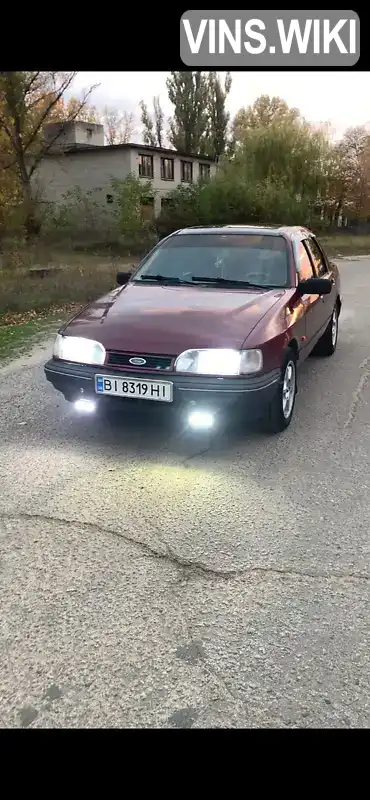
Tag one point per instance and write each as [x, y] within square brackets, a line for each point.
[357, 394]
[192, 566]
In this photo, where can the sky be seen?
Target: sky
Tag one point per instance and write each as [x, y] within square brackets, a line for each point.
[340, 98]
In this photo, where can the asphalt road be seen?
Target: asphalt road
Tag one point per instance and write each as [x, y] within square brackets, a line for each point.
[145, 583]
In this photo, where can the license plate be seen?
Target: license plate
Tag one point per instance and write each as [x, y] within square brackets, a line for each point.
[122, 386]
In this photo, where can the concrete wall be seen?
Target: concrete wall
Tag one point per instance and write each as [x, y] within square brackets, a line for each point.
[89, 133]
[74, 133]
[58, 174]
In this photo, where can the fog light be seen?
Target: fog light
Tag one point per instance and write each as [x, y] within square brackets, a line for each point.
[87, 406]
[201, 420]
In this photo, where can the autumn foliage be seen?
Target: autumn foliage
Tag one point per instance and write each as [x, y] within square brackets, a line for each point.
[271, 160]
[28, 100]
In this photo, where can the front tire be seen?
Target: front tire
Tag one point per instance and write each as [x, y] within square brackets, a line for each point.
[327, 345]
[281, 409]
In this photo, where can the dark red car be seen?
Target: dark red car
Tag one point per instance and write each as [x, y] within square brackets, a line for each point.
[213, 319]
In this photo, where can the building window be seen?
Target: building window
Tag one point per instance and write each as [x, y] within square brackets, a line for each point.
[187, 171]
[89, 133]
[167, 169]
[204, 172]
[146, 166]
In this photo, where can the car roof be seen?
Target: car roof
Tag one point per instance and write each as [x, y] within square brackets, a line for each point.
[289, 231]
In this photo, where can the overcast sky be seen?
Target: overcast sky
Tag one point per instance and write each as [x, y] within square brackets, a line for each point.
[341, 98]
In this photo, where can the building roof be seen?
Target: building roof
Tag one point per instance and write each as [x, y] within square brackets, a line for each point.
[143, 148]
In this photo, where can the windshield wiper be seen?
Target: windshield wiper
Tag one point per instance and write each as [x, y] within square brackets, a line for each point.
[230, 282]
[200, 279]
[161, 279]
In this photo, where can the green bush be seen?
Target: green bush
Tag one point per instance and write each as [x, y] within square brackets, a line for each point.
[132, 196]
[86, 218]
[78, 211]
[229, 199]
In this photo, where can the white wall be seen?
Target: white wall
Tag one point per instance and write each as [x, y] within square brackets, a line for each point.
[58, 174]
[73, 133]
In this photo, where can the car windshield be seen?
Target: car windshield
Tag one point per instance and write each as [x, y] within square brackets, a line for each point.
[257, 260]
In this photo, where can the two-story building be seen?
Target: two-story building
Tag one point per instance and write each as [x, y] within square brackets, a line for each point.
[79, 157]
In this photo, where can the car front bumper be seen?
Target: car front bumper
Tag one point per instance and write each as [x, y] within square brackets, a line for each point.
[250, 394]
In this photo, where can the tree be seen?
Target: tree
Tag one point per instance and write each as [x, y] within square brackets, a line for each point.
[119, 126]
[350, 183]
[153, 124]
[264, 112]
[158, 120]
[28, 100]
[218, 117]
[274, 143]
[188, 92]
[148, 125]
[200, 120]
[230, 199]
[72, 109]
[9, 185]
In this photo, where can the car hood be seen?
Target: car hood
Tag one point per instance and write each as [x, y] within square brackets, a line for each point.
[169, 319]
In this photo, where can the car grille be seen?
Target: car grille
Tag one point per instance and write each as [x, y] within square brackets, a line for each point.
[154, 363]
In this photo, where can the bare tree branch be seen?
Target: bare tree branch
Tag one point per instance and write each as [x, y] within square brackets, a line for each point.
[153, 124]
[27, 101]
[69, 118]
[119, 126]
[127, 127]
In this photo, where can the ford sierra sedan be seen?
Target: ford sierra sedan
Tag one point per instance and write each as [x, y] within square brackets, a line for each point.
[214, 321]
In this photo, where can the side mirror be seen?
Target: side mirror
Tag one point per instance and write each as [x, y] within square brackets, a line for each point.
[123, 278]
[315, 286]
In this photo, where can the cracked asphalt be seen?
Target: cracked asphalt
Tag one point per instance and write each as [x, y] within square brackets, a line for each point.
[150, 580]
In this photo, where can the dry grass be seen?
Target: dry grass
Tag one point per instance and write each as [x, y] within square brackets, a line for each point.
[32, 306]
[73, 278]
[346, 245]
[79, 277]
[19, 337]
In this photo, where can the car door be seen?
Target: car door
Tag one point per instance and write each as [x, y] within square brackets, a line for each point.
[322, 270]
[311, 302]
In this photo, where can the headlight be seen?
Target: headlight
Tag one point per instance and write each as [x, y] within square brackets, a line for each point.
[219, 362]
[82, 351]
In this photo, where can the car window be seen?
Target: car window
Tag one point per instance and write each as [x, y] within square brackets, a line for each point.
[304, 265]
[317, 257]
[259, 259]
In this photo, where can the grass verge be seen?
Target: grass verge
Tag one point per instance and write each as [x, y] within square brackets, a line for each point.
[20, 332]
[345, 245]
[74, 280]
[32, 306]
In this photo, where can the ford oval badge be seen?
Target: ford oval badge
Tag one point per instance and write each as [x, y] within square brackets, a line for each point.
[137, 362]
